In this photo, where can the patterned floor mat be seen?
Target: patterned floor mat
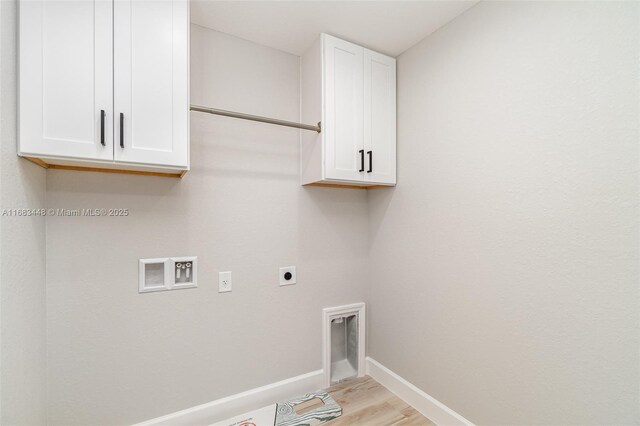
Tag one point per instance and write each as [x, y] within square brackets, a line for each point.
[286, 414]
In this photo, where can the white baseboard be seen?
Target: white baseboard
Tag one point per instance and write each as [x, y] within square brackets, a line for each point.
[253, 399]
[427, 405]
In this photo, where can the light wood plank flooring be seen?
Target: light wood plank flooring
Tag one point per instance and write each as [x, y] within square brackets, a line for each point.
[366, 402]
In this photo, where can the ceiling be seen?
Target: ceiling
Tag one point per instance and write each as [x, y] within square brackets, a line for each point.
[389, 27]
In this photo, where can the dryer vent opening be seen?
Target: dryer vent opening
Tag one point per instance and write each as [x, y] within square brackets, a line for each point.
[344, 348]
[344, 345]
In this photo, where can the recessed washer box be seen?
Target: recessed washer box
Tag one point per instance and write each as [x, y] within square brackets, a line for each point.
[167, 273]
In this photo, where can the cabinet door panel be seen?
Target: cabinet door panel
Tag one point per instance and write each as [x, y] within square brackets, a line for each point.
[151, 81]
[343, 109]
[66, 75]
[380, 117]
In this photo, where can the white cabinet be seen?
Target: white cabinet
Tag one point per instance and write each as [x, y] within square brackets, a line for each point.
[352, 91]
[151, 102]
[104, 84]
[379, 118]
[66, 91]
[344, 102]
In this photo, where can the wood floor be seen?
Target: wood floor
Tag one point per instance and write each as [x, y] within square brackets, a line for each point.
[366, 402]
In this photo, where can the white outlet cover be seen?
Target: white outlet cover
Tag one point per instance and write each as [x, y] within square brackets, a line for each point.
[283, 271]
[224, 282]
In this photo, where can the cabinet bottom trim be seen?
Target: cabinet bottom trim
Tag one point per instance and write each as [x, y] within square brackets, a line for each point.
[41, 163]
[338, 185]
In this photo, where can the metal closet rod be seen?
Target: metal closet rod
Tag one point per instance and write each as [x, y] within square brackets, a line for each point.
[215, 111]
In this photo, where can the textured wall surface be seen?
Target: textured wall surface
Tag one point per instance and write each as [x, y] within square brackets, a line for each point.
[116, 356]
[22, 255]
[505, 263]
[503, 268]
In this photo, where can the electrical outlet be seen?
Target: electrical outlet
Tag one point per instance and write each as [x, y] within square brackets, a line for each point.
[287, 275]
[224, 282]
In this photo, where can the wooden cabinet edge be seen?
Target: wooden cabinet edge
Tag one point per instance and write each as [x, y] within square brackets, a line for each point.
[346, 186]
[177, 174]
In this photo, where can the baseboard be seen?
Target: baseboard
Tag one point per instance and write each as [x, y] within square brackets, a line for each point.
[253, 399]
[430, 407]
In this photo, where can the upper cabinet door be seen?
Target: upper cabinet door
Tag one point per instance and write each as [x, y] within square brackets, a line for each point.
[151, 75]
[343, 109]
[380, 117]
[66, 75]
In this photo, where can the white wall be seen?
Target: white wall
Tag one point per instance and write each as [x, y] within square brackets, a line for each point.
[22, 260]
[116, 356]
[505, 263]
[504, 266]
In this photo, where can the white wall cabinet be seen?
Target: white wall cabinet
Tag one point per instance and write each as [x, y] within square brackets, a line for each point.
[352, 91]
[104, 84]
[66, 88]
